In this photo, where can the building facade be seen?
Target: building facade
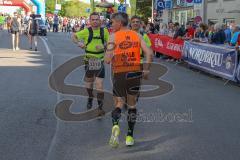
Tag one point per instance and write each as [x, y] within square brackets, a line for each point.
[182, 11]
[223, 11]
[215, 11]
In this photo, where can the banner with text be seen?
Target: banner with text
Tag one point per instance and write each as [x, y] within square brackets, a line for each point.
[167, 45]
[238, 71]
[218, 60]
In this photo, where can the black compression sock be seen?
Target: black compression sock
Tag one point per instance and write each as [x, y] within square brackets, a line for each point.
[132, 116]
[116, 115]
[90, 92]
[100, 97]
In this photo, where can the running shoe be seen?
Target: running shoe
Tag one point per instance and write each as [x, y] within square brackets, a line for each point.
[114, 140]
[100, 112]
[129, 141]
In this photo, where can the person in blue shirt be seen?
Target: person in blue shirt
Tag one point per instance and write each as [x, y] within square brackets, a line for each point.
[228, 34]
[236, 32]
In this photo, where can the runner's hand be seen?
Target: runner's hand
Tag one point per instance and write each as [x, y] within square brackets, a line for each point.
[81, 45]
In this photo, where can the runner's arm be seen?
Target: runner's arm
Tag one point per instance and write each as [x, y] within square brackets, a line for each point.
[28, 29]
[147, 52]
[80, 38]
[147, 40]
[110, 48]
[106, 36]
[74, 38]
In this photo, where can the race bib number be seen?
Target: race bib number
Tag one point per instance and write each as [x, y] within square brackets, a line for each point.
[94, 64]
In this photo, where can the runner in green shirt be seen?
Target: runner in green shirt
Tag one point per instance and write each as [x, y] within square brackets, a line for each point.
[2, 21]
[95, 48]
[93, 40]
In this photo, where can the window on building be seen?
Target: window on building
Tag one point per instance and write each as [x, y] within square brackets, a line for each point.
[212, 21]
[228, 21]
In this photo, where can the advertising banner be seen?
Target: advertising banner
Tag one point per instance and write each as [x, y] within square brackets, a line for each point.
[217, 60]
[167, 45]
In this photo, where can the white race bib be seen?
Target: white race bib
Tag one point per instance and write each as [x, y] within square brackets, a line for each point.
[94, 64]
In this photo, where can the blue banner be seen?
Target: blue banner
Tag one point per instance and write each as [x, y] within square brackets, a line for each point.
[238, 71]
[218, 60]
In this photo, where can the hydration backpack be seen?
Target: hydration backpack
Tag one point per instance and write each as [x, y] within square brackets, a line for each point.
[90, 37]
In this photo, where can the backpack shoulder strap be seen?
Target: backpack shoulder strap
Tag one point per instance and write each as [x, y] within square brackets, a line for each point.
[102, 34]
[90, 36]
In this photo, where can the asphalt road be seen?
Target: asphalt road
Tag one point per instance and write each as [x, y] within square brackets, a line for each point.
[30, 130]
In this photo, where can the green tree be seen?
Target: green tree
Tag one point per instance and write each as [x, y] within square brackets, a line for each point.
[133, 4]
[19, 10]
[50, 6]
[144, 9]
[74, 8]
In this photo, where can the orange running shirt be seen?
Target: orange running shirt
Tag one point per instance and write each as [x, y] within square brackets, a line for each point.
[127, 50]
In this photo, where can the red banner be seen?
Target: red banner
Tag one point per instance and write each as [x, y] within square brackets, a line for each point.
[21, 3]
[167, 45]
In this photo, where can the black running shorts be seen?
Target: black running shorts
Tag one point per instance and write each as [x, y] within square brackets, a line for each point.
[90, 75]
[126, 83]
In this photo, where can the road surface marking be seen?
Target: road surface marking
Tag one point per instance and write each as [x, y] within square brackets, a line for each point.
[46, 45]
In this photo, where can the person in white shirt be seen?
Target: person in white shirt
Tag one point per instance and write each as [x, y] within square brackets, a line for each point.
[163, 29]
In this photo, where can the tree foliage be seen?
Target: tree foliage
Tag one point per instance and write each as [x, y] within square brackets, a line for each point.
[144, 9]
[19, 10]
[74, 8]
[50, 6]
